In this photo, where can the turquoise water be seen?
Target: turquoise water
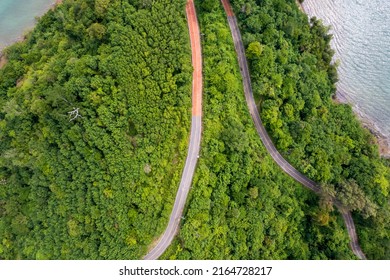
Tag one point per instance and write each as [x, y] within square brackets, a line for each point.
[18, 16]
[361, 39]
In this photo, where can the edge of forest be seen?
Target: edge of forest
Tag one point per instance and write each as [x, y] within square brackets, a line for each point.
[382, 141]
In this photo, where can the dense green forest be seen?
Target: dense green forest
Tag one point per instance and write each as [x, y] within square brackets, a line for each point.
[95, 110]
[98, 183]
[294, 81]
[242, 205]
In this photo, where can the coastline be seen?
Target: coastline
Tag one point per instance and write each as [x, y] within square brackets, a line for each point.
[381, 140]
[300, 6]
[26, 31]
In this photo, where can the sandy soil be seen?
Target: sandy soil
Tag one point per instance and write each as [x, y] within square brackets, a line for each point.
[384, 148]
[3, 61]
[381, 140]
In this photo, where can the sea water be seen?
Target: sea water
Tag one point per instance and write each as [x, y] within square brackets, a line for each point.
[18, 16]
[361, 39]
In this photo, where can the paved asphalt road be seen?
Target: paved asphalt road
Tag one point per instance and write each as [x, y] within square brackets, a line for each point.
[195, 137]
[288, 168]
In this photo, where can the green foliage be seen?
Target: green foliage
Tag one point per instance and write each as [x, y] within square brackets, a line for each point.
[99, 186]
[294, 82]
[242, 205]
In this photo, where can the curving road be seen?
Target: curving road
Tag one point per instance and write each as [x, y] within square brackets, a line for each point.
[195, 137]
[287, 167]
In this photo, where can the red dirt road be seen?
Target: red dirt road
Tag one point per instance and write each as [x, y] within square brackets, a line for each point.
[195, 139]
[228, 8]
[197, 82]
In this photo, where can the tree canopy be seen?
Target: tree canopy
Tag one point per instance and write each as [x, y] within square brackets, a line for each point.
[293, 78]
[95, 110]
[242, 205]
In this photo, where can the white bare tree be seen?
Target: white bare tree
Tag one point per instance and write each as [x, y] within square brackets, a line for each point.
[74, 114]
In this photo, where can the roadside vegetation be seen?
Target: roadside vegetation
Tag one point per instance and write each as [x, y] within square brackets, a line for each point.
[95, 111]
[294, 82]
[242, 205]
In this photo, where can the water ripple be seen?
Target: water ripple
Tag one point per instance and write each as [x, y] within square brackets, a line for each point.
[361, 39]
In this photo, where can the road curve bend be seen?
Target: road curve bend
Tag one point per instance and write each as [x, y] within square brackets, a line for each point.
[195, 137]
[287, 167]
